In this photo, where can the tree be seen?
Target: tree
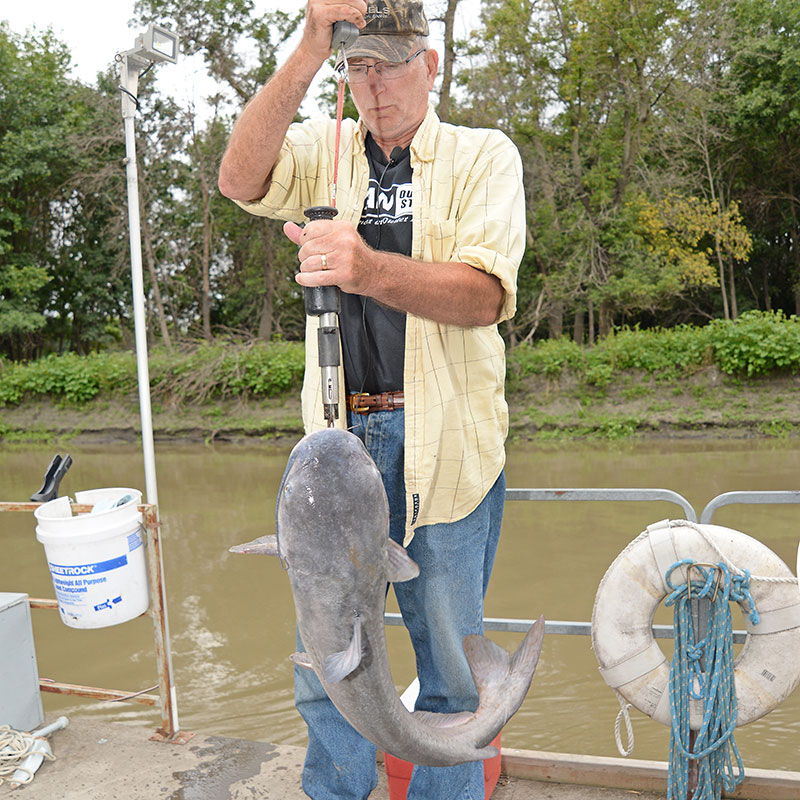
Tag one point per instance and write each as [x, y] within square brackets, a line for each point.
[448, 63]
[58, 203]
[582, 88]
[222, 30]
[764, 80]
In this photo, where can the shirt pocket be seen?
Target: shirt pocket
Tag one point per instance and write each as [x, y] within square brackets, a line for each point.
[438, 240]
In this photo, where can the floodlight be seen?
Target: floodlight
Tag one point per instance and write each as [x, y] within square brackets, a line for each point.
[156, 44]
[159, 44]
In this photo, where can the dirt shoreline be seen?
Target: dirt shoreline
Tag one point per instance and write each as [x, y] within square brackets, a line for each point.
[636, 405]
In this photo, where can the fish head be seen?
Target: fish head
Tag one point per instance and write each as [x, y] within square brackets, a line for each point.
[331, 504]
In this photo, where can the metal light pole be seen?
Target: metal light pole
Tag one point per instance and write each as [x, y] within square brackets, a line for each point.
[154, 45]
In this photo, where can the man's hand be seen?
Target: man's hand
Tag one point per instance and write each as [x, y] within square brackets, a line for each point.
[450, 292]
[346, 261]
[320, 18]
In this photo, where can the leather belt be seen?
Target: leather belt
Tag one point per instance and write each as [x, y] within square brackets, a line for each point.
[365, 403]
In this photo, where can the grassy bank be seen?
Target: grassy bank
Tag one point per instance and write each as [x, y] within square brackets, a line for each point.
[727, 378]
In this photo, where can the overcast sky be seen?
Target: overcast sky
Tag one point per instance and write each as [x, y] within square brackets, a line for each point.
[95, 30]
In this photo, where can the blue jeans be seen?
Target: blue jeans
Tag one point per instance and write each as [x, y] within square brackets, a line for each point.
[440, 607]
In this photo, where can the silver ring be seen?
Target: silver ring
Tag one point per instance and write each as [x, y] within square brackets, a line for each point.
[324, 261]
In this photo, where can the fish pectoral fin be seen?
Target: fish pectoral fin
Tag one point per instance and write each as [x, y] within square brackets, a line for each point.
[302, 660]
[263, 546]
[438, 720]
[399, 567]
[339, 665]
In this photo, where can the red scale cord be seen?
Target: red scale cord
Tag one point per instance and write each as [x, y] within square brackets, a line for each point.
[339, 108]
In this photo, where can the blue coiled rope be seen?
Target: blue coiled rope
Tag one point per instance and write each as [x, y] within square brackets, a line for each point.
[715, 749]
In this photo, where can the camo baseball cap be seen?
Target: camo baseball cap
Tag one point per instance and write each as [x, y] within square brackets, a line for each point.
[392, 28]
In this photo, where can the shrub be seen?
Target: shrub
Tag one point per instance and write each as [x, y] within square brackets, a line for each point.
[547, 357]
[756, 343]
[667, 353]
[218, 370]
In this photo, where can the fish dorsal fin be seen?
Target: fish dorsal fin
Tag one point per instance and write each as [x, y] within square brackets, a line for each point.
[488, 662]
[437, 720]
[399, 567]
[302, 660]
[263, 546]
[339, 665]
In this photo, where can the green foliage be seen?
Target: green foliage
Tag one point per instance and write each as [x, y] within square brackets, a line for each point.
[69, 377]
[661, 144]
[223, 370]
[227, 370]
[265, 371]
[757, 343]
[59, 213]
[665, 353]
[548, 357]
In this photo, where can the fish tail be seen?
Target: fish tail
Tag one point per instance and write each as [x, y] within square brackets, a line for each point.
[503, 680]
[526, 658]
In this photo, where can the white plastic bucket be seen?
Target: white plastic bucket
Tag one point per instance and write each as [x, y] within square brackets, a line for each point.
[97, 560]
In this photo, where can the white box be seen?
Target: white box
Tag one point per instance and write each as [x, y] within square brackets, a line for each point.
[20, 699]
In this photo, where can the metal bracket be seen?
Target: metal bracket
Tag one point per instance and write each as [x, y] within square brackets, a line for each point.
[181, 737]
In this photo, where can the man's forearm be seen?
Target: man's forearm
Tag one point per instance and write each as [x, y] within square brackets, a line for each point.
[448, 292]
[259, 132]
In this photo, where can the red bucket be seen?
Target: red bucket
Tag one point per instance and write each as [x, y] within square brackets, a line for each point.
[399, 773]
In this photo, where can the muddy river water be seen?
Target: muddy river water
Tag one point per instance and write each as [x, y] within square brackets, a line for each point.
[232, 618]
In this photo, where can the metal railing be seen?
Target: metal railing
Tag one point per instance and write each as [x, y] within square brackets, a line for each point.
[157, 611]
[574, 628]
[166, 699]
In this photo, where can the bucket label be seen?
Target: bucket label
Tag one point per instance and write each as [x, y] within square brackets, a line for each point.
[89, 569]
[134, 541]
[72, 583]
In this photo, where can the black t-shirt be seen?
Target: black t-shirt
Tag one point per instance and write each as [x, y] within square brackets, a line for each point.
[373, 336]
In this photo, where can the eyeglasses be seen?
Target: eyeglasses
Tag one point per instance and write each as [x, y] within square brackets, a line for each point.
[388, 70]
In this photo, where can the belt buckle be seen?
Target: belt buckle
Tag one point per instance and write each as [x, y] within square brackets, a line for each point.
[358, 409]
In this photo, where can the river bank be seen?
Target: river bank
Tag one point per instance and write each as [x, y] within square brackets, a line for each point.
[636, 404]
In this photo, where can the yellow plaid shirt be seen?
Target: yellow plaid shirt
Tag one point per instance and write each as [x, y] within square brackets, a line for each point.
[468, 207]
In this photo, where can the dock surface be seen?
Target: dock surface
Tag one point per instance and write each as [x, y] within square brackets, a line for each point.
[98, 760]
[115, 761]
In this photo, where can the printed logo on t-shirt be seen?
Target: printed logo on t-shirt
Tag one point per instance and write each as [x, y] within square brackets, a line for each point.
[388, 205]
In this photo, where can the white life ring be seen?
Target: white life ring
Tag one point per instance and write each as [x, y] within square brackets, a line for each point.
[767, 669]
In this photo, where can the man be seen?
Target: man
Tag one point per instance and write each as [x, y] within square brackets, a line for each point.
[425, 249]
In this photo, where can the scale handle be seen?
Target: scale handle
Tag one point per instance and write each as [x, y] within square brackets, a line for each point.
[321, 299]
[344, 34]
